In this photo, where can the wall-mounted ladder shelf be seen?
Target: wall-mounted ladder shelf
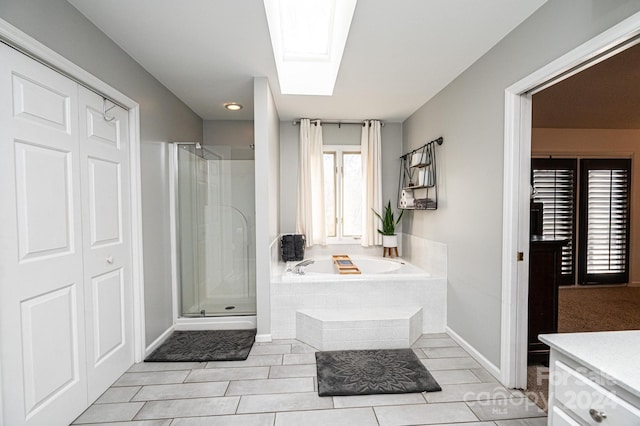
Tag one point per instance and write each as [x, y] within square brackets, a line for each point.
[418, 189]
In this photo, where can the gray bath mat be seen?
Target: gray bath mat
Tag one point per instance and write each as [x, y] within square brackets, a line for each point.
[205, 345]
[366, 372]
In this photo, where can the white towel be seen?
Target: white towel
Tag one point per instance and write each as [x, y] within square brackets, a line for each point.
[406, 200]
[406, 194]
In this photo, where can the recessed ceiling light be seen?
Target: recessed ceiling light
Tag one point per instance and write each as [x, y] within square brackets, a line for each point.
[308, 39]
[233, 106]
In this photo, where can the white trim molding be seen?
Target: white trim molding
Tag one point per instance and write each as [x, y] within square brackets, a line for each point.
[516, 190]
[160, 340]
[482, 360]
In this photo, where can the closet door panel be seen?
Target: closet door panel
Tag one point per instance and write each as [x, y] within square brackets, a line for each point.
[41, 103]
[42, 292]
[44, 201]
[48, 321]
[104, 152]
[109, 325]
[105, 209]
[101, 130]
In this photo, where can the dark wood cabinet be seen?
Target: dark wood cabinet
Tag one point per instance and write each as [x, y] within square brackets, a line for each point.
[545, 263]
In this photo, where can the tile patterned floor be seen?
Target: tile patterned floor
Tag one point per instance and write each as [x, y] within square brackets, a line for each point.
[276, 386]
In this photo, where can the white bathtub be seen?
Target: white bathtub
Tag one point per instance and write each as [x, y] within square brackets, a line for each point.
[384, 284]
[370, 267]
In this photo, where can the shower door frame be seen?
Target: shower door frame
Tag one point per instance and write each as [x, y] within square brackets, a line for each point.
[181, 322]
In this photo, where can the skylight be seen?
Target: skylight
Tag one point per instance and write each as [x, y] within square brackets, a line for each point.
[308, 39]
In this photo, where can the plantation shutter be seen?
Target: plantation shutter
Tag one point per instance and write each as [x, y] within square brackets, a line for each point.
[604, 192]
[555, 183]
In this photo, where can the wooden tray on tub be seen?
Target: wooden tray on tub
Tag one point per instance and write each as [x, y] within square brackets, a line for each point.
[344, 264]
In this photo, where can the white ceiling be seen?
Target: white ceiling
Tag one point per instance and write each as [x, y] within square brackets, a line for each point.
[399, 53]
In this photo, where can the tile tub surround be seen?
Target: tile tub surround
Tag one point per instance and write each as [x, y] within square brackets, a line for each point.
[426, 254]
[283, 392]
[371, 293]
[332, 329]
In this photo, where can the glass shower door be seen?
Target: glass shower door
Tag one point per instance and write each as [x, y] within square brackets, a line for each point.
[216, 219]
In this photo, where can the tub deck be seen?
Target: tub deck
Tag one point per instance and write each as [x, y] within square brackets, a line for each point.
[405, 288]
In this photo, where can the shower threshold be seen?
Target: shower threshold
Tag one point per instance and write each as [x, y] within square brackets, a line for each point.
[219, 314]
[221, 307]
[218, 322]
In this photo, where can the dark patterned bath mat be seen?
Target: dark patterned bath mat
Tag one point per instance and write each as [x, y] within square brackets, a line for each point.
[366, 372]
[205, 345]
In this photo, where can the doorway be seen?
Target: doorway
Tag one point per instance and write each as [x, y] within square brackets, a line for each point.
[584, 140]
[517, 190]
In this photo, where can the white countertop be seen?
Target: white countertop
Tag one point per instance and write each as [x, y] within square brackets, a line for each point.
[615, 354]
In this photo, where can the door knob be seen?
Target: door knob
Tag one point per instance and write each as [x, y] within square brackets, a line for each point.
[597, 416]
[110, 260]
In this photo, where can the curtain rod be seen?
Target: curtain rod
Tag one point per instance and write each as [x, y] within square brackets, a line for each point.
[338, 122]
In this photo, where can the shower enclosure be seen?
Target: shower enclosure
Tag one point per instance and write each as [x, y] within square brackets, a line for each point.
[215, 222]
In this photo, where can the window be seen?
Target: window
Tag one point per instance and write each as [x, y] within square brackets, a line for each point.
[602, 209]
[555, 184]
[343, 192]
[604, 222]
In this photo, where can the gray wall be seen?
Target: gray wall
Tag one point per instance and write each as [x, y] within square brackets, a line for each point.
[469, 113]
[163, 118]
[334, 135]
[235, 134]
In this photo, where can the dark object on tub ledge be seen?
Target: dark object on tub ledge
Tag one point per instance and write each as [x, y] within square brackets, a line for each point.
[367, 372]
[205, 345]
[292, 247]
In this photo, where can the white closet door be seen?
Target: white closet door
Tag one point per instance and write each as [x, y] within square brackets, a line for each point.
[41, 278]
[104, 157]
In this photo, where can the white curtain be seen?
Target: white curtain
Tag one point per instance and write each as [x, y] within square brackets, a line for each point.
[310, 219]
[370, 142]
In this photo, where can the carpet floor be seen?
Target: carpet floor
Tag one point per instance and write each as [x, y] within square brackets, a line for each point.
[204, 345]
[367, 372]
[585, 309]
[598, 309]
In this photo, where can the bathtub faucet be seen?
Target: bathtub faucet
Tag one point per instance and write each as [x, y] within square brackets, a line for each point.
[299, 268]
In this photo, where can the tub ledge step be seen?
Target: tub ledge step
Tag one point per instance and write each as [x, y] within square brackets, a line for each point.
[343, 329]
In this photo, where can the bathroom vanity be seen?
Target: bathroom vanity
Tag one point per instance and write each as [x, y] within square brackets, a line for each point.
[594, 378]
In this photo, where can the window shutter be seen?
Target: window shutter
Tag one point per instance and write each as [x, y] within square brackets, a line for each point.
[605, 193]
[555, 183]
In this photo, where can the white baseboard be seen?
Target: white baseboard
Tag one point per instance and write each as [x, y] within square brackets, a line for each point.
[482, 360]
[160, 340]
[263, 338]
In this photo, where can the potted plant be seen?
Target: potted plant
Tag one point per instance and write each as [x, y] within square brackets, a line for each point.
[388, 231]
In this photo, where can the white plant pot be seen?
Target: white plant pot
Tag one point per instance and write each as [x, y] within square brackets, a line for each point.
[389, 241]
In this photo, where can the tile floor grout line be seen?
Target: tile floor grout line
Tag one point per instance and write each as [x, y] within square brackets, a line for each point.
[473, 412]
[375, 415]
[137, 412]
[137, 392]
[235, 412]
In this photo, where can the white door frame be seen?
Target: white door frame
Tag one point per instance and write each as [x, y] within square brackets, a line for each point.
[516, 190]
[42, 53]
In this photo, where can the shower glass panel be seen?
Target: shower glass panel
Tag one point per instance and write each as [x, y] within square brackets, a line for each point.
[215, 225]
